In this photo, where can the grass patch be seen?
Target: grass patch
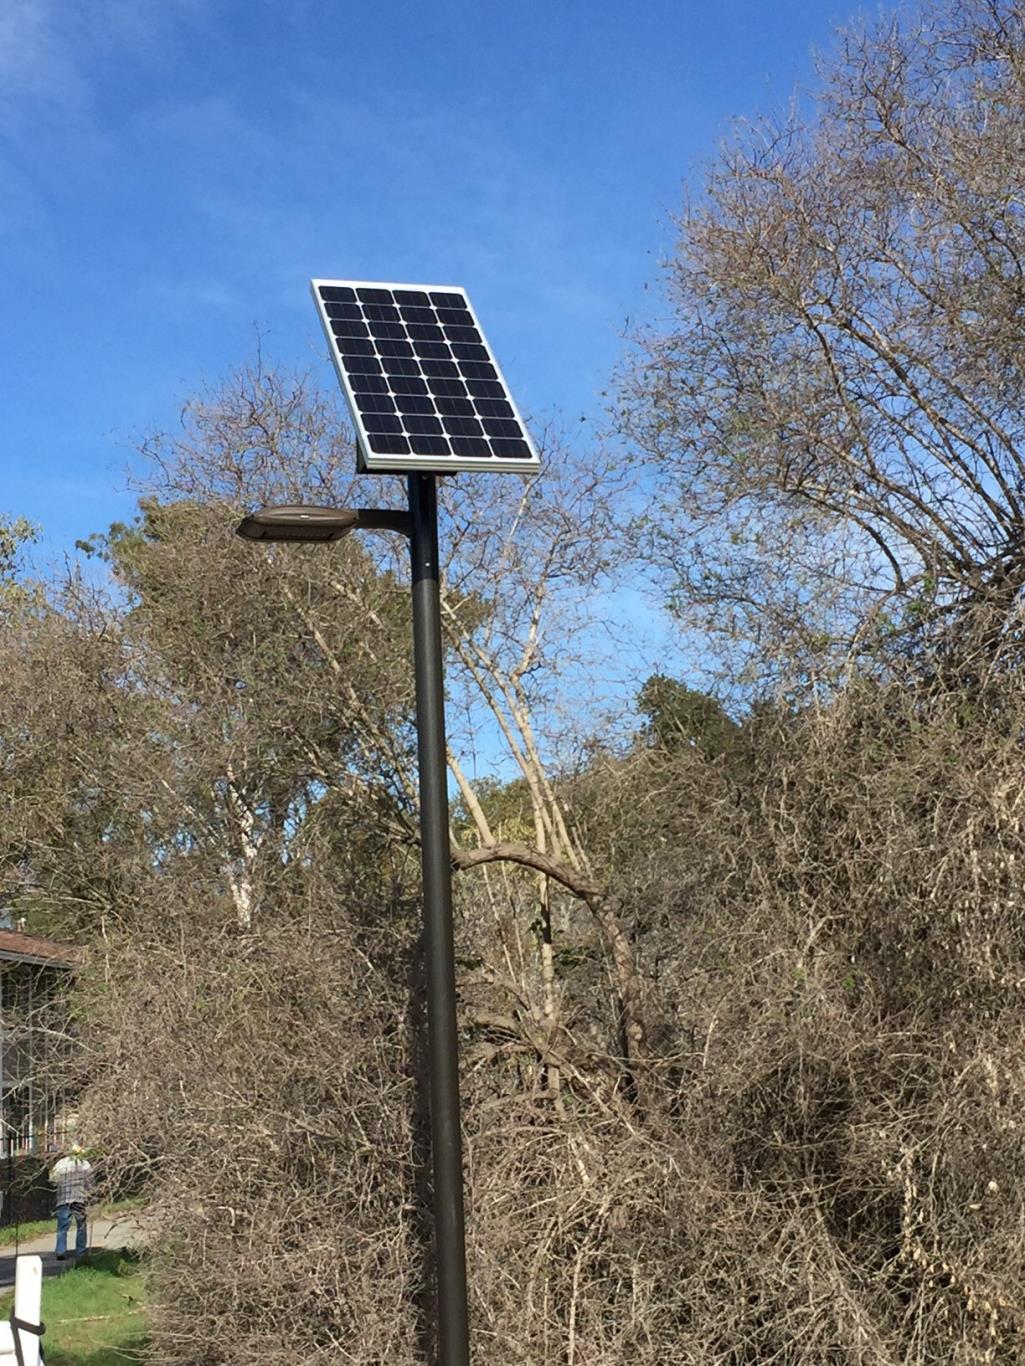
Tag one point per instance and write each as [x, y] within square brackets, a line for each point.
[95, 1312]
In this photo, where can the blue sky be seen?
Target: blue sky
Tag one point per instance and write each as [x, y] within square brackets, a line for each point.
[172, 173]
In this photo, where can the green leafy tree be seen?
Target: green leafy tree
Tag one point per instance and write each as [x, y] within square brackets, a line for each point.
[681, 716]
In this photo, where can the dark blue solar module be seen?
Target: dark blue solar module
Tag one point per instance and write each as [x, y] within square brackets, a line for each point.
[421, 381]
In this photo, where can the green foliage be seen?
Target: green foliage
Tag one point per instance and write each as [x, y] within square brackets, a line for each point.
[15, 533]
[506, 805]
[15, 592]
[679, 716]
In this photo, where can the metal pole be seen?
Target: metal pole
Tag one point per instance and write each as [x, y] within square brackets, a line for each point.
[442, 1041]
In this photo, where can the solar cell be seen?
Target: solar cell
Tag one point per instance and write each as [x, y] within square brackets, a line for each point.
[456, 407]
[425, 332]
[463, 352]
[477, 369]
[464, 426]
[374, 403]
[429, 445]
[435, 352]
[393, 330]
[470, 449]
[407, 384]
[498, 426]
[373, 384]
[420, 379]
[515, 449]
[485, 388]
[383, 422]
[400, 366]
[388, 445]
[413, 403]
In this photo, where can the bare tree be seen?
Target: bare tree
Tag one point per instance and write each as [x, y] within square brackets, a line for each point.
[809, 1153]
[836, 419]
[267, 772]
[525, 560]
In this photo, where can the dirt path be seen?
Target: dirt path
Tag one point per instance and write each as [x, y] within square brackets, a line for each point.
[103, 1232]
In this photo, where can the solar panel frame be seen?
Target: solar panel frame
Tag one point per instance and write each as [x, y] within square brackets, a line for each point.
[355, 347]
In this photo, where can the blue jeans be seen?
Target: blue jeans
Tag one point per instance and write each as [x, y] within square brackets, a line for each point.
[64, 1213]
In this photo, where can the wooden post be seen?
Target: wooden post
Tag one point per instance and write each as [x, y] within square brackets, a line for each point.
[28, 1302]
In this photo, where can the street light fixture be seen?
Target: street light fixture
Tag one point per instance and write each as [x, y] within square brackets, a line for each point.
[311, 524]
[420, 524]
[426, 396]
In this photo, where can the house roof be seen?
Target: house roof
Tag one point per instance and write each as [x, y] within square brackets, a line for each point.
[29, 948]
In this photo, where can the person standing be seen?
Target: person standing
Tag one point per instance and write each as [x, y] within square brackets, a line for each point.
[72, 1175]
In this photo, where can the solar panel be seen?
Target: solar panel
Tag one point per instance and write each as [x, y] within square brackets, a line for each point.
[421, 381]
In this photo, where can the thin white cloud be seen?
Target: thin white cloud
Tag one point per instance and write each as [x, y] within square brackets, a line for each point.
[36, 61]
[50, 50]
[54, 57]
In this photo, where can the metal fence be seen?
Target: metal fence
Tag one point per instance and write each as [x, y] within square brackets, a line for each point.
[45, 1135]
[25, 1159]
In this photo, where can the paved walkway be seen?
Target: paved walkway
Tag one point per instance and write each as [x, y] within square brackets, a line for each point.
[103, 1232]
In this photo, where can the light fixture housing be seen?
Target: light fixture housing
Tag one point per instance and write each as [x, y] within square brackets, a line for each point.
[295, 522]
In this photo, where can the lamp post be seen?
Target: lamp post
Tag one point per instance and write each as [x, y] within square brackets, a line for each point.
[420, 524]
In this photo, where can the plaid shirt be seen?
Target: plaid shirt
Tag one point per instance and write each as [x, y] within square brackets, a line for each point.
[72, 1177]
